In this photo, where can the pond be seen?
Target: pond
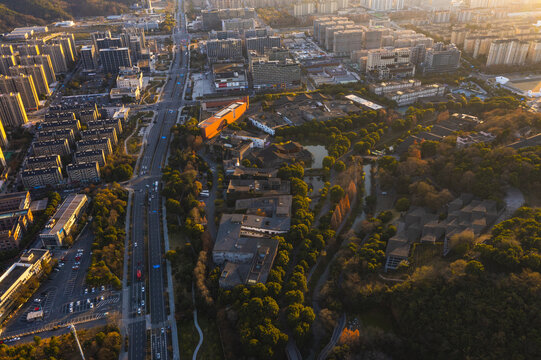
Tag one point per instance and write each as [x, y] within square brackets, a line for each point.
[316, 182]
[318, 152]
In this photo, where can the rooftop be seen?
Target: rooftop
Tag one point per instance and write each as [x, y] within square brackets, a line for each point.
[366, 103]
[62, 216]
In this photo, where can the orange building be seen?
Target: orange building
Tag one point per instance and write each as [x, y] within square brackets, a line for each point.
[228, 115]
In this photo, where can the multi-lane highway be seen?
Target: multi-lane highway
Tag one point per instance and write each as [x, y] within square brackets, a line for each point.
[147, 256]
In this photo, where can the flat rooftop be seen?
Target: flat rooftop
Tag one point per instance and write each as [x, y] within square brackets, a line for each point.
[366, 103]
[64, 213]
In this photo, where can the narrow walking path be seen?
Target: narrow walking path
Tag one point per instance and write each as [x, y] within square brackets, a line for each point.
[194, 357]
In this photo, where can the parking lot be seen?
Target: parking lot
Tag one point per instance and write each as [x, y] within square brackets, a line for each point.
[64, 290]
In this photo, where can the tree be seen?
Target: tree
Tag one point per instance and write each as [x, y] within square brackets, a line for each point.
[298, 187]
[339, 166]
[474, 268]
[402, 204]
[328, 161]
[293, 296]
[336, 193]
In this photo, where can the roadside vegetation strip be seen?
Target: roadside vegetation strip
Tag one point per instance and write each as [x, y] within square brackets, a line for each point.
[109, 211]
[98, 343]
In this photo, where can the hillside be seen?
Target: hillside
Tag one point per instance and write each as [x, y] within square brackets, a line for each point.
[15, 13]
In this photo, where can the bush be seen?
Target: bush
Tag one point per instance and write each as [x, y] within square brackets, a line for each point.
[403, 204]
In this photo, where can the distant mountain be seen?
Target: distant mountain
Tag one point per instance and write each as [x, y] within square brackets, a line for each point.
[15, 13]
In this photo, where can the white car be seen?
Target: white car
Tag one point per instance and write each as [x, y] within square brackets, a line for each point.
[91, 305]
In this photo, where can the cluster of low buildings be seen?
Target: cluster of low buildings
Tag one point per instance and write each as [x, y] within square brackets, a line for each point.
[55, 142]
[245, 246]
[464, 214]
[457, 123]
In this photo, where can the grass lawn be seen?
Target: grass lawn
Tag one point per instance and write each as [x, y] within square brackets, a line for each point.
[134, 144]
[376, 317]
[176, 240]
[189, 338]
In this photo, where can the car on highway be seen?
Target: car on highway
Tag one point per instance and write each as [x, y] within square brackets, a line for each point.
[142, 288]
[103, 288]
[139, 311]
[142, 302]
[75, 267]
[86, 291]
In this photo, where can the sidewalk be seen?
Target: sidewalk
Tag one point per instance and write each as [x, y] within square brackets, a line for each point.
[170, 291]
[125, 288]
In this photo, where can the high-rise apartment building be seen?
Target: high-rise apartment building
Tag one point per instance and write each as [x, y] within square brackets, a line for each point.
[224, 49]
[381, 5]
[3, 141]
[99, 35]
[24, 85]
[83, 172]
[442, 58]
[28, 49]
[67, 41]
[12, 113]
[238, 24]
[534, 53]
[43, 161]
[327, 7]
[41, 177]
[37, 74]
[347, 41]
[507, 52]
[112, 59]
[45, 61]
[273, 73]
[259, 44]
[51, 147]
[109, 42]
[7, 61]
[56, 52]
[6, 49]
[303, 9]
[89, 57]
